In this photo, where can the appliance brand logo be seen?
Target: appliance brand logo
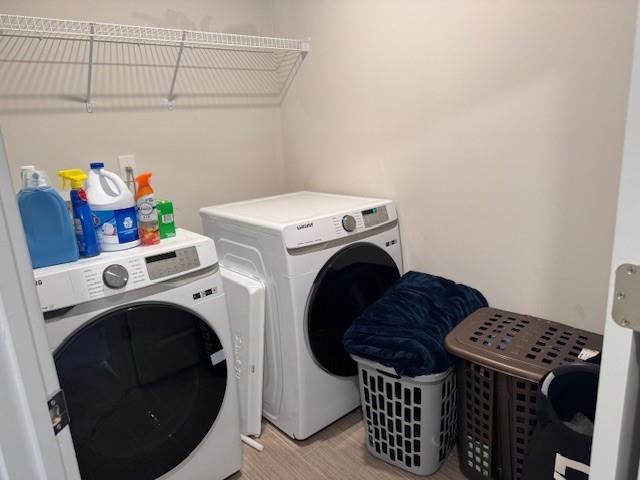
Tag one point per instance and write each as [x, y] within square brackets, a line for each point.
[302, 226]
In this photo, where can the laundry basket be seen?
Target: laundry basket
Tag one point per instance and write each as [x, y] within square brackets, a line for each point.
[410, 422]
[503, 356]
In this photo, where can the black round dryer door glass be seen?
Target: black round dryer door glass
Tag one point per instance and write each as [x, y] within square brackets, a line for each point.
[352, 279]
[144, 385]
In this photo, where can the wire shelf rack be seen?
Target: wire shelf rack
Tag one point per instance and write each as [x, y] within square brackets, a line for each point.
[241, 65]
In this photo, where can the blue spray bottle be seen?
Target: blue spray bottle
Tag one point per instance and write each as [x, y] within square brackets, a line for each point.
[82, 218]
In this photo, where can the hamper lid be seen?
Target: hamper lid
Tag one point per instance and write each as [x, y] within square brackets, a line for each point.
[520, 345]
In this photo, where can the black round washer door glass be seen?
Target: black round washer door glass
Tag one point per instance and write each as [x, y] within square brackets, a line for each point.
[351, 280]
[142, 390]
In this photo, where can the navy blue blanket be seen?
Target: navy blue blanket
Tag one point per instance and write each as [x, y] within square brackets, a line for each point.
[405, 329]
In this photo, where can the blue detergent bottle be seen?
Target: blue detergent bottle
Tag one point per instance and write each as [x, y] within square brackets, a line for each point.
[46, 222]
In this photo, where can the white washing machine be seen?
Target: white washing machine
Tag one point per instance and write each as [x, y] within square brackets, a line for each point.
[142, 348]
[323, 259]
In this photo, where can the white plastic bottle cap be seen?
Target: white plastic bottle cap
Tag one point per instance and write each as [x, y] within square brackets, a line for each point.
[26, 172]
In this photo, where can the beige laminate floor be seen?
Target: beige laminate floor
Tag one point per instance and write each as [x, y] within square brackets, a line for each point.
[337, 452]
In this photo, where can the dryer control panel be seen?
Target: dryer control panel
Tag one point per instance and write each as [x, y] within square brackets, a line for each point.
[375, 216]
[325, 229]
[111, 273]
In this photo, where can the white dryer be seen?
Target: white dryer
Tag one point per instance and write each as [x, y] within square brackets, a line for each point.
[142, 348]
[323, 259]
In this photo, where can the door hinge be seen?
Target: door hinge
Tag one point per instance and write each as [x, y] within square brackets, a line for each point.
[58, 411]
[626, 296]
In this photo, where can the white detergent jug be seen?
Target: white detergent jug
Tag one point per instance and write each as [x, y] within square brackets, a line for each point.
[114, 210]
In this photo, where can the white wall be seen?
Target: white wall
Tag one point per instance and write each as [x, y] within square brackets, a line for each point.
[497, 127]
[199, 156]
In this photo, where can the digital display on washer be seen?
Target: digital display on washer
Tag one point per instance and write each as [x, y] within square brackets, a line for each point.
[374, 216]
[159, 258]
[171, 263]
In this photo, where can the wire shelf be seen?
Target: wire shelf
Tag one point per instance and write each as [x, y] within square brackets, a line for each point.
[252, 66]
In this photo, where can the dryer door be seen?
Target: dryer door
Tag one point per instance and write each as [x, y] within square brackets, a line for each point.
[144, 385]
[350, 281]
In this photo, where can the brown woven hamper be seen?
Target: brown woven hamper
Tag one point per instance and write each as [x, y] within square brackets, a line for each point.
[503, 355]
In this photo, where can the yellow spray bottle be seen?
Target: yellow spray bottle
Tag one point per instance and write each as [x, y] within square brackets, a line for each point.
[82, 216]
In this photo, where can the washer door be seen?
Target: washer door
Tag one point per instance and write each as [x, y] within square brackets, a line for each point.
[350, 281]
[144, 385]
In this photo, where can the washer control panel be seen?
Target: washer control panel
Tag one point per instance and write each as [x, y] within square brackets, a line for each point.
[114, 273]
[171, 263]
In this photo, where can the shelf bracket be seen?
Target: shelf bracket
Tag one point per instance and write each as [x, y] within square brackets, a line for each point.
[88, 100]
[626, 299]
[170, 98]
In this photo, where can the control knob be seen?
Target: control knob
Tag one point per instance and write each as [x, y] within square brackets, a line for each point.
[349, 223]
[115, 276]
